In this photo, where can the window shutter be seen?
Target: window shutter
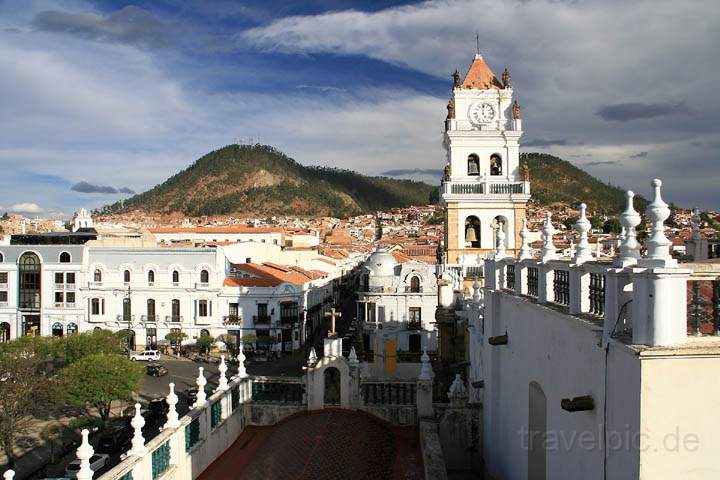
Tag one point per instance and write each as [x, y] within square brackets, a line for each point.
[195, 306]
[102, 305]
[210, 309]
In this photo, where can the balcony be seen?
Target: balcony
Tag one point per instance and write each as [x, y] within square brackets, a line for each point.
[95, 284]
[409, 289]
[261, 321]
[485, 187]
[125, 318]
[149, 318]
[203, 319]
[173, 319]
[200, 285]
[232, 320]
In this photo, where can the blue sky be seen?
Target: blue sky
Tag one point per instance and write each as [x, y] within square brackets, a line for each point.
[99, 99]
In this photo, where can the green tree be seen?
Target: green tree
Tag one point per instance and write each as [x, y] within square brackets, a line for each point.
[230, 343]
[71, 348]
[612, 225]
[204, 342]
[51, 433]
[101, 378]
[569, 222]
[176, 338]
[26, 390]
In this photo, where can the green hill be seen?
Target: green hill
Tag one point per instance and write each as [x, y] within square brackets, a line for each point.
[553, 180]
[260, 180]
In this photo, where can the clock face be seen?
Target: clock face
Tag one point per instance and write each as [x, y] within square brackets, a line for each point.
[481, 113]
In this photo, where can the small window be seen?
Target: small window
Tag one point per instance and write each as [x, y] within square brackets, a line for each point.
[59, 297]
[126, 276]
[151, 309]
[3, 277]
[204, 276]
[70, 278]
[203, 308]
[64, 257]
[97, 277]
[70, 298]
[95, 306]
[176, 277]
[151, 276]
[59, 278]
[415, 284]
[248, 260]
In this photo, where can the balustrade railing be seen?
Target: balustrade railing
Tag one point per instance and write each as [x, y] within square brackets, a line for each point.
[561, 287]
[704, 307]
[465, 188]
[388, 393]
[597, 294]
[269, 391]
[510, 277]
[506, 188]
[160, 460]
[532, 281]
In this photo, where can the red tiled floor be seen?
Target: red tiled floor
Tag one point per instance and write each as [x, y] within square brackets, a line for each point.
[329, 444]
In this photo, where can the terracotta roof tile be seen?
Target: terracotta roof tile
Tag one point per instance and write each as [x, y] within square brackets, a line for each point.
[480, 77]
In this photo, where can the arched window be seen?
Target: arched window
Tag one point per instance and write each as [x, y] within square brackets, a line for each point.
[29, 269]
[126, 276]
[204, 276]
[472, 232]
[2, 259]
[175, 277]
[496, 167]
[72, 328]
[415, 284]
[473, 164]
[151, 277]
[97, 276]
[65, 257]
[151, 310]
[57, 329]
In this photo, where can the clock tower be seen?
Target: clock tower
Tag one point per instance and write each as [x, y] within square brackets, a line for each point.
[483, 187]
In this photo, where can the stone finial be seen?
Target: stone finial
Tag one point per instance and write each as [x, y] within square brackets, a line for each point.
[138, 441]
[548, 250]
[84, 453]
[241, 373]
[658, 246]
[629, 247]
[457, 393]
[476, 291]
[173, 420]
[583, 252]
[312, 358]
[695, 219]
[426, 372]
[201, 381]
[9, 475]
[499, 241]
[352, 357]
[222, 381]
[525, 247]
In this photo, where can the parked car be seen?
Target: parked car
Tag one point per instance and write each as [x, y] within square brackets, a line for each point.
[97, 461]
[146, 356]
[115, 440]
[155, 370]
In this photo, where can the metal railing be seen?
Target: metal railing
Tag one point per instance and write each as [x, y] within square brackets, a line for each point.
[232, 320]
[409, 289]
[506, 188]
[278, 391]
[126, 318]
[532, 281]
[149, 318]
[174, 318]
[465, 188]
[561, 287]
[510, 277]
[597, 294]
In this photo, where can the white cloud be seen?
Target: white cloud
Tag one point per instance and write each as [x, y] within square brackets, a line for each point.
[23, 208]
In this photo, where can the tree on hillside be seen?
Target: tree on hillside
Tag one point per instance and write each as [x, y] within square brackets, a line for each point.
[25, 391]
[97, 380]
[612, 225]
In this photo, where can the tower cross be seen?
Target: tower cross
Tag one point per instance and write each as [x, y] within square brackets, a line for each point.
[332, 314]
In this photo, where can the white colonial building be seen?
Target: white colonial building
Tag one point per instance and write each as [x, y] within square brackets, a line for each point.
[396, 306]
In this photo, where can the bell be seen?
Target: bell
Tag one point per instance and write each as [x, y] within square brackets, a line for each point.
[470, 234]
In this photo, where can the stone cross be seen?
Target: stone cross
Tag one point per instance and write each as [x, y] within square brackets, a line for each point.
[332, 314]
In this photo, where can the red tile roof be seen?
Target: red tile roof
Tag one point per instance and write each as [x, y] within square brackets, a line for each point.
[480, 76]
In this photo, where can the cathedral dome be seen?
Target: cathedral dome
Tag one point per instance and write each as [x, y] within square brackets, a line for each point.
[381, 263]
